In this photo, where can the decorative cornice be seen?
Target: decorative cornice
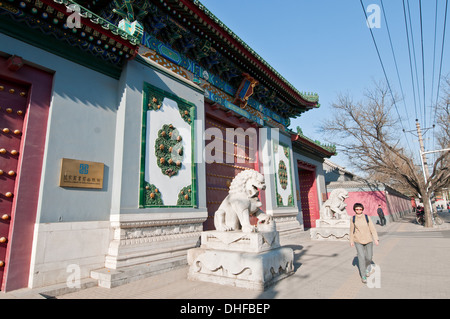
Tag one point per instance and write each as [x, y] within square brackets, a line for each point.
[215, 42]
[91, 36]
[94, 18]
[181, 21]
[157, 223]
[314, 146]
[254, 58]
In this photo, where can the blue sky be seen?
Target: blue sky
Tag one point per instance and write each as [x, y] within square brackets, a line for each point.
[325, 46]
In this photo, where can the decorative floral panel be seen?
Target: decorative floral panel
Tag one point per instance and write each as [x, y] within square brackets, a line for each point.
[283, 179]
[167, 159]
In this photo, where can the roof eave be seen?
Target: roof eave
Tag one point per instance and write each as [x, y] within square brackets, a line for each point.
[301, 141]
[222, 34]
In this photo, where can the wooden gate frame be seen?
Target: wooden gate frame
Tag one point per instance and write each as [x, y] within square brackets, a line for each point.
[234, 120]
[24, 210]
[312, 168]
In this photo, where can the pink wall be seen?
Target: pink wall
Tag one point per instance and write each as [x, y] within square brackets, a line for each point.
[391, 204]
[398, 204]
[370, 200]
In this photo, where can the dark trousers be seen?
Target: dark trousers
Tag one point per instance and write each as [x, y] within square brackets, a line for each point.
[382, 220]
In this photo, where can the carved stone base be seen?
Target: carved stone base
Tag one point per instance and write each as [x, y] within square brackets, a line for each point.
[287, 224]
[239, 241]
[245, 260]
[331, 229]
[142, 248]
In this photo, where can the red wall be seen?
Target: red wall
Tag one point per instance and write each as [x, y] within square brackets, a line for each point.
[28, 177]
[370, 200]
[398, 204]
[390, 203]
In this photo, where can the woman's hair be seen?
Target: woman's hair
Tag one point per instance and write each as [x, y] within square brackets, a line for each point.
[358, 205]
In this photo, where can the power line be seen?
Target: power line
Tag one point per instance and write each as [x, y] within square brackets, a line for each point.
[434, 50]
[396, 68]
[414, 51]
[442, 55]
[423, 65]
[408, 29]
[410, 60]
[384, 71]
[434, 63]
[440, 67]
[395, 60]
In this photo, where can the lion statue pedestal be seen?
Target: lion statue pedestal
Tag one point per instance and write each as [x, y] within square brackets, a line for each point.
[334, 222]
[237, 253]
[331, 230]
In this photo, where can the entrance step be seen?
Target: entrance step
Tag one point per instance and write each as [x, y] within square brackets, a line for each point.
[110, 278]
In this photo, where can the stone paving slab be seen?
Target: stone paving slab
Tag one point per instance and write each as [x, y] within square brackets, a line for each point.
[413, 263]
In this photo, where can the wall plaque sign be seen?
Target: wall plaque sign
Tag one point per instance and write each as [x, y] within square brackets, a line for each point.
[82, 174]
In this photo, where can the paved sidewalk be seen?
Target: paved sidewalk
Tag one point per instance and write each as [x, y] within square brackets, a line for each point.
[413, 263]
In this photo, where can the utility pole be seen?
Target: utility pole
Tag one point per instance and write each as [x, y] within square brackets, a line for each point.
[423, 158]
[422, 153]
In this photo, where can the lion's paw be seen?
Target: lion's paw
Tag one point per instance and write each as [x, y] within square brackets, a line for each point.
[225, 228]
[249, 229]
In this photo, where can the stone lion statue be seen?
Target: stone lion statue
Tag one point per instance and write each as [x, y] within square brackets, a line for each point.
[242, 201]
[334, 207]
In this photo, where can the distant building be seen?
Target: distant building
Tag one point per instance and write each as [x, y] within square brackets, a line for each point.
[309, 161]
[369, 193]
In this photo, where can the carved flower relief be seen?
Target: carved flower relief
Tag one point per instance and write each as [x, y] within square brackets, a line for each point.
[279, 200]
[185, 112]
[185, 196]
[282, 174]
[152, 195]
[169, 150]
[290, 200]
[157, 231]
[286, 151]
[155, 102]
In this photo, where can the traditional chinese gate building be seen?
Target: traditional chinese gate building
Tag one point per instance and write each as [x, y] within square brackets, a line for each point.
[106, 112]
[310, 156]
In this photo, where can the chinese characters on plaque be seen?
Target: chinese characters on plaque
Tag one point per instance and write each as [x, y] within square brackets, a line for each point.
[82, 174]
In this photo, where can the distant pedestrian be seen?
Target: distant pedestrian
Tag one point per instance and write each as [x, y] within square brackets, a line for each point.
[362, 235]
[381, 216]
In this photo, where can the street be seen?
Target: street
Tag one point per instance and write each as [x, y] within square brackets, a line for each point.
[412, 263]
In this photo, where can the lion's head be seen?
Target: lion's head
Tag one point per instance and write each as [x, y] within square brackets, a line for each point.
[249, 182]
[339, 194]
[343, 195]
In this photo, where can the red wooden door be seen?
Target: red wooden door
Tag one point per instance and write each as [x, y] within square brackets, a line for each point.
[13, 105]
[308, 196]
[220, 174]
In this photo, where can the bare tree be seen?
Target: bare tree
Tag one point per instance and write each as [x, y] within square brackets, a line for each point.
[443, 117]
[369, 133]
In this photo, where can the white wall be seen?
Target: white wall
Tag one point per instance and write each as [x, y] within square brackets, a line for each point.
[285, 217]
[126, 171]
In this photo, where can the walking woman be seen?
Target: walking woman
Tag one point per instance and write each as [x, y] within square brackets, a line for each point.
[362, 235]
